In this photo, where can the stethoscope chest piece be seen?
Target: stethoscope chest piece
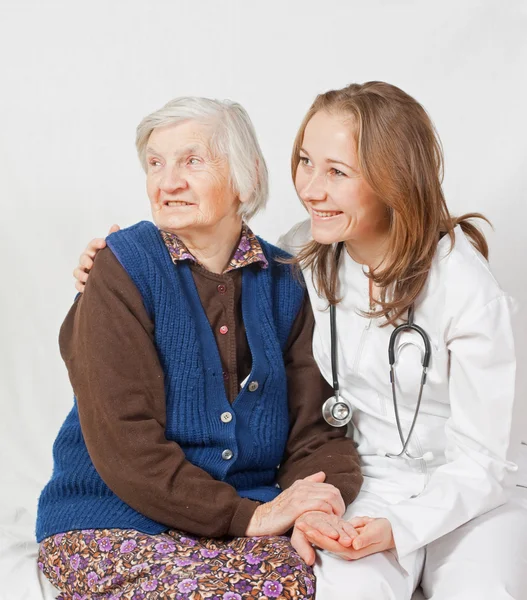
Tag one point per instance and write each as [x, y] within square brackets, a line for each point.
[336, 412]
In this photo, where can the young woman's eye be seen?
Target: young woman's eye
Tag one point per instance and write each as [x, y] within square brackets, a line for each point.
[338, 173]
[304, 160]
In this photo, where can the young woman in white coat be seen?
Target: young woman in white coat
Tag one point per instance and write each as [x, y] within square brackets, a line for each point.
[382, 248]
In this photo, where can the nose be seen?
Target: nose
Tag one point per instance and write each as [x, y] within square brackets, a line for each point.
[314, 188]
[172, 179]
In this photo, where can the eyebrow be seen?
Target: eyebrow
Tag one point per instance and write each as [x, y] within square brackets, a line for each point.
[186, 150]
[331, 160]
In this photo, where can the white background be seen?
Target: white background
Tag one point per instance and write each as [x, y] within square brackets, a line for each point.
[77, 77]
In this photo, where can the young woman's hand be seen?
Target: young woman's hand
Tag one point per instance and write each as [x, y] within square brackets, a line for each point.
[309, 494]
[81, 272]
[372, 535]
[330, 529]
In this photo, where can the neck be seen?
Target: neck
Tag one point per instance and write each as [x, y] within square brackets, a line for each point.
[369, 251]
[214, 246]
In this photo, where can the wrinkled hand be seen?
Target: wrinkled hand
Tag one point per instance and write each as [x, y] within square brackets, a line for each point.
[373, 535]
[81, 272]
[309, 494]
[328, 528]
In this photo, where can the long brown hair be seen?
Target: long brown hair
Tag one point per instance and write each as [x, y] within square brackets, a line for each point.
[401, 158]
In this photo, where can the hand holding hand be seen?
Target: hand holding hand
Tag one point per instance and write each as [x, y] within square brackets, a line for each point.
[309, 494]
[81, 272]
[372, 535]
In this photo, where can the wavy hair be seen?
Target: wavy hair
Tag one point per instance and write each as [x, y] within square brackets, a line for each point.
[401, 158]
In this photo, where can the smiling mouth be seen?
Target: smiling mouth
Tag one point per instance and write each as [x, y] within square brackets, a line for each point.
[326, 214]
[177, 203]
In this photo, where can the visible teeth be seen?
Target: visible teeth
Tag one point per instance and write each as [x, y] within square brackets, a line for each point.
[319, 213]
[177, 203]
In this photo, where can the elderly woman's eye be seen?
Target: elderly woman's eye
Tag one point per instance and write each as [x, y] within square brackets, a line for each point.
[194, 160]
[154, 162]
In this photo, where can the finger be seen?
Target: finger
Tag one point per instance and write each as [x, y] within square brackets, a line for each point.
[85, 262]
[360, 521]
[349, 529]
[114, 228]
[324, 542]
[347, 534]
[80, 275]
[316, 477]
[320, 525]
[94, 246]
[79, 287]
[301, 544]
[369, 535]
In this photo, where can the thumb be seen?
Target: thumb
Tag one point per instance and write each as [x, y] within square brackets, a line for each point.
[368, 535]
[316, 477]
[114, 228]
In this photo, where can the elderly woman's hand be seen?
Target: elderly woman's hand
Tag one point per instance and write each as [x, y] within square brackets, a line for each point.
[81, 271]
[309, 494]
[368, 536]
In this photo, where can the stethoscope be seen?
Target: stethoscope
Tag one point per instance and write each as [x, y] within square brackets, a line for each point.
[337, 411]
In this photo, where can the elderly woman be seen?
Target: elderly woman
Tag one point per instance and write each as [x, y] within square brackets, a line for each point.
[196, 426]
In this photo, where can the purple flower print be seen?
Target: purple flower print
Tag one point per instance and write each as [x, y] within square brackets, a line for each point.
[252, 569]
[128, 546]
[155, 569]
[187, 541]
[187, 585]
[309, 585]
[243, 586]
[105, 545]
[272, 588]
[231, 596]
[92, 578]
[165, 547]
[149, 586]
[253, 560]
[58, 538]
[40, 566]
[209, 553]
[138, 595]
[228, 570]
[89, 535]
[284, 570]
[75, 561]
[183, 562]
[204, 568]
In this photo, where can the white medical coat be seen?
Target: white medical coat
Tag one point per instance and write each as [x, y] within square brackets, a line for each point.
[466, 411]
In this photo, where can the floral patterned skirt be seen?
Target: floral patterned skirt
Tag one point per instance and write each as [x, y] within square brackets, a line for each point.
[126, 564]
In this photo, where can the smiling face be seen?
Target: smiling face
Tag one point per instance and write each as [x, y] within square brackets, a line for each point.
[189, 188]
[341, 204]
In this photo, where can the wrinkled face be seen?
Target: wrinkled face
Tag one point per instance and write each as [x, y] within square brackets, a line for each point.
[188, 187]
[342, 205]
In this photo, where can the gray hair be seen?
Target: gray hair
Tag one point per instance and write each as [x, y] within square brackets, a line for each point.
[234, 137]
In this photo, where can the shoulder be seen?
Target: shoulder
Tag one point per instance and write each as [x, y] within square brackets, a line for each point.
[463, 277]
[299, 235]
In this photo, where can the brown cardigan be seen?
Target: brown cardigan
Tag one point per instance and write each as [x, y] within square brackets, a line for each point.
[107, 344]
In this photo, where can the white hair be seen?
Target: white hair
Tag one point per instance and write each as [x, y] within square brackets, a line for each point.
[233, 137]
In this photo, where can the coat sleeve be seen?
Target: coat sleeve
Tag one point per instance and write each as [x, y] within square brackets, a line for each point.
[313, 445]
[481, 389]
[107, 343]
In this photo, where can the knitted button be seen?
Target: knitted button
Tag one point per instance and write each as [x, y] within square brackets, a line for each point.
[224, 329]
[253, 386]
[227, 454]
[226, 417]
[222, 289]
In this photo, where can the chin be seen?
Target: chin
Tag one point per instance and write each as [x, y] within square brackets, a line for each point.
[324, 237]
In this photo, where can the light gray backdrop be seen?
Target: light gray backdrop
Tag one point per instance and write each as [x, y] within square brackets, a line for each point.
[76, 78]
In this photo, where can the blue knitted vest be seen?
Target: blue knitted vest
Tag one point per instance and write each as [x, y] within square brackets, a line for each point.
[77, 498]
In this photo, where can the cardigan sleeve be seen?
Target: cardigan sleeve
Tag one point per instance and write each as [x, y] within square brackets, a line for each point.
[107, 343]
[313, 445]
